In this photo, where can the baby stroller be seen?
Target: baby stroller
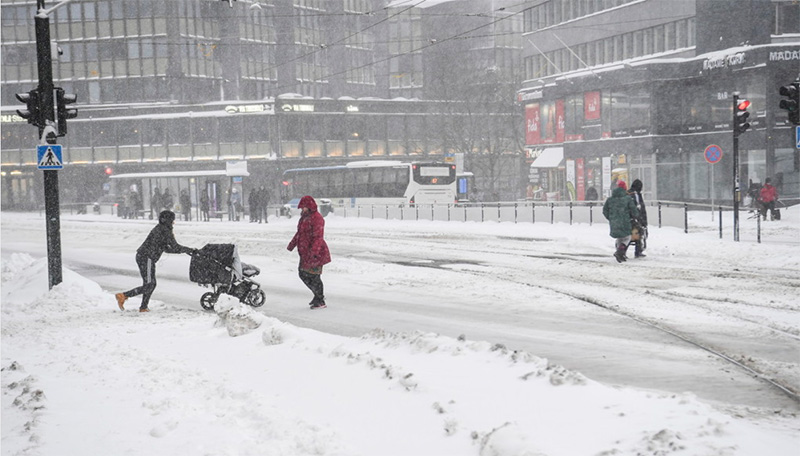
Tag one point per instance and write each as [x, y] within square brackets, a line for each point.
[218, 266]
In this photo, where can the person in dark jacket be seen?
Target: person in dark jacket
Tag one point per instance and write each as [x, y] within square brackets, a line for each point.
[166, 200]
[204, 206]
[641, 222]
[186, 205]
[619, 209]
[160, 240]
[310, 242]
[263, 204]
[155, 202]
[255, 206]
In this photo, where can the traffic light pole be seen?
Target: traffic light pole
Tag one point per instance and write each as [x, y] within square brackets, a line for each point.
[47, 135]
[736, 187]
[735, 168]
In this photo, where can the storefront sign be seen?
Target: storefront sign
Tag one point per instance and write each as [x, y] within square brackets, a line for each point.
[11, 118]
[581, 179]
[296, 107]
[779, 56]
[606, 176]
[554, 122]
[724, 61]
[526, 96]
[241, 109]
[571, 192]
[591, 105]
[532, 124]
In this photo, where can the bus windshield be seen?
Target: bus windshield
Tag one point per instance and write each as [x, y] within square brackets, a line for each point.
[434, 174]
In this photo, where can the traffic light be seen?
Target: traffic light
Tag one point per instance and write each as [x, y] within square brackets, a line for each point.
[740, 115]
[32, 113]
[62, 113]
[792, 103]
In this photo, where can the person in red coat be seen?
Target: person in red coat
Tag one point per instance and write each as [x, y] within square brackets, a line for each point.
[768, 196]
[312, 249]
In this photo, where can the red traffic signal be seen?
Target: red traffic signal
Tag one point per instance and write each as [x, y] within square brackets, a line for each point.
[109, 171]
[743, 105]
[740, 115]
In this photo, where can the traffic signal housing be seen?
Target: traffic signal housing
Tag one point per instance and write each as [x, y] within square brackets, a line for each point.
[792, 103]
[62, 112]
[32, 113]
[740, 115]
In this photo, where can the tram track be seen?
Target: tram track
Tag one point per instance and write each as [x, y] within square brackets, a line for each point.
[747, 363]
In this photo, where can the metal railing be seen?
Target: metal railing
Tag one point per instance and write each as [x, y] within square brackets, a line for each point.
[667, 213]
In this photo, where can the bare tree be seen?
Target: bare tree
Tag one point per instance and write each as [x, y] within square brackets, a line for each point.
[482, 121]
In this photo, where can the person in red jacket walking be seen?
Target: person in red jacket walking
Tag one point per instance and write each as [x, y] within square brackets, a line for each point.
[312, 249]
[768, 196]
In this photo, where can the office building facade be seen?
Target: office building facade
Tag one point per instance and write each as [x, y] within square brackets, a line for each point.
[647, 87]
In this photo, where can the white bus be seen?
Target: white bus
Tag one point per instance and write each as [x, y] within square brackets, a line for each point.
[366, 183]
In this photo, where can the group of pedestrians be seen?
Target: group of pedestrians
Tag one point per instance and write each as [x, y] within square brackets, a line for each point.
[161, 201]
[258, 201]
[133, 204]
[309, 239]
[627, 218]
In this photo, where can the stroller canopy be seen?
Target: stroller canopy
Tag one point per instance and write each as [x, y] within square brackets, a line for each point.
[216, 264]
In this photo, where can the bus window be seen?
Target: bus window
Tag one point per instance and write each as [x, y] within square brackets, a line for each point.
[361, 183]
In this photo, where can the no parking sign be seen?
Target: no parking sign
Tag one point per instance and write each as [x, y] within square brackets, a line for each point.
[713, 154]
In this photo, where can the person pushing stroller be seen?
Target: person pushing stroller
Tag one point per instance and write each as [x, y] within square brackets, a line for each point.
[161, 239]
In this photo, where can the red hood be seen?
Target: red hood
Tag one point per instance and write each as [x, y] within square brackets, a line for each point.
[308, 202]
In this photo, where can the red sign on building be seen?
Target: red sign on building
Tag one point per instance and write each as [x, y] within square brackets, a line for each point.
[591, 105]
[533, 133]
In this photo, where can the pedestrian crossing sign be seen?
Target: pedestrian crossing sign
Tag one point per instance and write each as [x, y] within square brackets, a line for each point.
[49, 156]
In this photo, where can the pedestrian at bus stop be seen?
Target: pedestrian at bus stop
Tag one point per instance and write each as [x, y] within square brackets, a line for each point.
[253, 202]
[619, 209]
[312, 248]
[263, 204]
[186, 205]
[204, 205]
[161, 239]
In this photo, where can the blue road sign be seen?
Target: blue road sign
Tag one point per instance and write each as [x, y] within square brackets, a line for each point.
[713, 154]
[49, 156]
[797, 136]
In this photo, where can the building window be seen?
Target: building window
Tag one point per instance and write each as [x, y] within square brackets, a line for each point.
[787, 17]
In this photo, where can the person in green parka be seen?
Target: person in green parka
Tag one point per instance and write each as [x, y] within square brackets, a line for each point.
[620, 209]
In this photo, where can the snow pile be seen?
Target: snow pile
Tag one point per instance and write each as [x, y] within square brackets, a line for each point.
[80, 377]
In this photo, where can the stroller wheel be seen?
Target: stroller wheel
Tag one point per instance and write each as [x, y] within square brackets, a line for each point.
[208, 300]
[256, 298]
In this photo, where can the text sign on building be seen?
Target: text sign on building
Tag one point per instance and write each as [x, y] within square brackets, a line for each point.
[713, 154]
[49, 156]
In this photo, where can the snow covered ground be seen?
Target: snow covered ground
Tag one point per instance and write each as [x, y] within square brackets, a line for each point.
[440, 339]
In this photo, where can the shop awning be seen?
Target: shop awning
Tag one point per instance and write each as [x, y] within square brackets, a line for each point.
[549, 158]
